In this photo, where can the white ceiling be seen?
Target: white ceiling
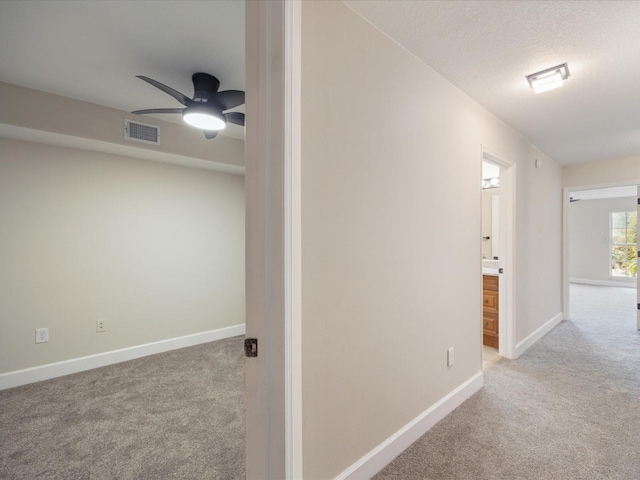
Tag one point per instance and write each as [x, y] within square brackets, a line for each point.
[92, 50]
[486, 48]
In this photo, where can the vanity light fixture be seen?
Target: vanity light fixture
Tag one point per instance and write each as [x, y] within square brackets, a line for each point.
[491, 183]
[548, 79]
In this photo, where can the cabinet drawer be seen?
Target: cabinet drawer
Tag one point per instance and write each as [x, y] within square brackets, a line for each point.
[489, 282]
[490, 324]
[490, 302]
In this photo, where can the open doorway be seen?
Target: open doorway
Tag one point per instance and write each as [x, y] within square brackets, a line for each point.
[490, 262]
[601, 247]
[116, 250]
[498, 256]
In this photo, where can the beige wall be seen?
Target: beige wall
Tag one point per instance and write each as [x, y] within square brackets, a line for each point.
[624, 170]
[40, 111]
[589, 250]
[391, 216]
[538, 244]
[157, 250]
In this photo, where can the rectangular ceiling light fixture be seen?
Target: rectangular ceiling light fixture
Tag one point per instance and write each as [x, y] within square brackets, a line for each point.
[548, 79]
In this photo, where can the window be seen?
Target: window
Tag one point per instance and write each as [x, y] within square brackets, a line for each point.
[624, 241]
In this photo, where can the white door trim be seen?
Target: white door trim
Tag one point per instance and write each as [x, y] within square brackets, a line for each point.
[566, 303]
[507, 290]
[273, 253]
[293, 238]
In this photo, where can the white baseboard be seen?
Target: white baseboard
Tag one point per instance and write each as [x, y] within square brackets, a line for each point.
[383, 454]
[74, 365]
[525, 344]
[631, 283]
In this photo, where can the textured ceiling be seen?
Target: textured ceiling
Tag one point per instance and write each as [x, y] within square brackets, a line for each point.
[486, 48]
[92, 50]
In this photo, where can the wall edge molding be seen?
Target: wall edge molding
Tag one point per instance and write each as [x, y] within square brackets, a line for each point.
[528, 342]
[14, 132]
[25, 376]
[383, 454]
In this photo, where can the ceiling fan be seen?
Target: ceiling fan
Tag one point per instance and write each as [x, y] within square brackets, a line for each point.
[206, 109]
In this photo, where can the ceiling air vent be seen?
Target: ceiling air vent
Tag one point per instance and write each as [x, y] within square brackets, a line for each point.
[141, 132]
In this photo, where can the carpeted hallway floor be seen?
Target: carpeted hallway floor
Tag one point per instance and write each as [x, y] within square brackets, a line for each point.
[177, 415]
[568, 409]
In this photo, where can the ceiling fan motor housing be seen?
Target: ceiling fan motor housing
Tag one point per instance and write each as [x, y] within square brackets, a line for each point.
[205, 86]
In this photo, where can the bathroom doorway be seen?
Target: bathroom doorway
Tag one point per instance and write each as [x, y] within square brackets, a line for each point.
[498, 257]
[490, 262]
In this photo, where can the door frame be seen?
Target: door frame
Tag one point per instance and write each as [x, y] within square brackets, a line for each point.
[507, 249]
[566, 251]
[273, 234]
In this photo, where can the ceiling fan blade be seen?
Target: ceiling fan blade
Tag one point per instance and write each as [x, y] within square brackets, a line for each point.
[210, 134]
[229, 98]
[186, 101]
[159, 110]
[235, 117]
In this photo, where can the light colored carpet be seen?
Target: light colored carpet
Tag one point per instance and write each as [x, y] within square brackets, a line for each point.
[178, 414]
[568, 409]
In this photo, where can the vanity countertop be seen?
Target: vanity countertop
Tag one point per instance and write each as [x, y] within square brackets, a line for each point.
[490, 271]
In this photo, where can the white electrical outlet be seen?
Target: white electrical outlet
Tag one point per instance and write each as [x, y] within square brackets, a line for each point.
[101, 326]
[450, 357]
[42, 335]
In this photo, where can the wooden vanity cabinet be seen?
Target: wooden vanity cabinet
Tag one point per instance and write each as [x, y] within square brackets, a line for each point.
[490, 311]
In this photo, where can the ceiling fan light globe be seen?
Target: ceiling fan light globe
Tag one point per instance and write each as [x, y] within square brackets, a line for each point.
[204, 121]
